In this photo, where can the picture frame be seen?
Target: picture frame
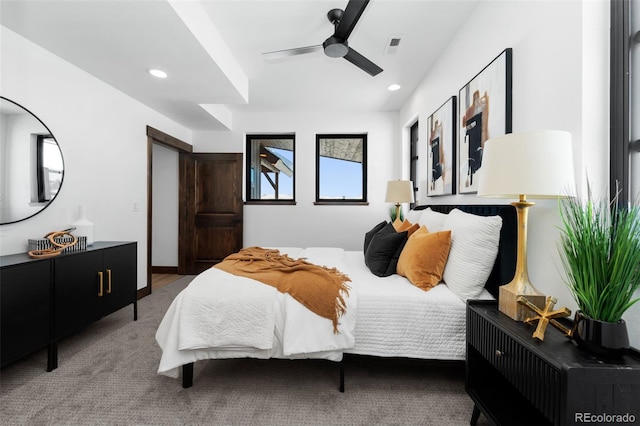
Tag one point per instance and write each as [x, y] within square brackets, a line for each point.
[441, 150]
[484, 111]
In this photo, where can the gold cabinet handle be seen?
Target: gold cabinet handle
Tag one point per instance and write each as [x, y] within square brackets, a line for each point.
[108, 281]
[100, 293]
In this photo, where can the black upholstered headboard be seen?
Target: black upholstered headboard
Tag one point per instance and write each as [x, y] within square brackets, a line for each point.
[505, 266]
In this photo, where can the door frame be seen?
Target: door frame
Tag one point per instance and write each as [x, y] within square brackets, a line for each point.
[155, 136]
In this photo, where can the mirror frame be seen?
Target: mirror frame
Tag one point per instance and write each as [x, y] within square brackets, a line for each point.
[44, 206]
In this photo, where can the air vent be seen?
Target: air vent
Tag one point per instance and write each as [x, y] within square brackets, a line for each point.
[393, 44]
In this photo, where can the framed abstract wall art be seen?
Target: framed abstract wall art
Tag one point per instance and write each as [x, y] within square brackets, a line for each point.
[441, 150]
[484, 111]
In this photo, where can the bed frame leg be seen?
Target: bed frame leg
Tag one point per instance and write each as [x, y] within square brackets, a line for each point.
[187, 375]
[342, 375]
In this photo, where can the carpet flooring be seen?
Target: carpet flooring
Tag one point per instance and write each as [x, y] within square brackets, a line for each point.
[107, 376]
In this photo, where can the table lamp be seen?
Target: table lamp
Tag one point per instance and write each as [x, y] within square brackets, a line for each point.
[535, 164]
[399, 191]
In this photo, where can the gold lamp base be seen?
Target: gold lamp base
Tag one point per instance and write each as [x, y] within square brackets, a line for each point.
[508, 302]
[520, 286]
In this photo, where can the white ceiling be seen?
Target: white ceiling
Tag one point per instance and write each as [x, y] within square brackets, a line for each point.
[212, 50]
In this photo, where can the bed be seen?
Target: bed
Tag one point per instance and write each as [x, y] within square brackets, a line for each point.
[220, 315]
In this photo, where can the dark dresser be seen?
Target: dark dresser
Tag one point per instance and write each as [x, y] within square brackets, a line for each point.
[516, 380]
[43, 300]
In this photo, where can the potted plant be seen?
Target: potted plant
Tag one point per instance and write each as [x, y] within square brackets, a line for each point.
[393, 214]
[600, 252]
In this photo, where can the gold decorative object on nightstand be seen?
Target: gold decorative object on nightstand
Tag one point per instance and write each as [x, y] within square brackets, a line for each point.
[545, 317]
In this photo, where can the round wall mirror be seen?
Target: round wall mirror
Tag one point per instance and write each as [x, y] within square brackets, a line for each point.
[31, 164]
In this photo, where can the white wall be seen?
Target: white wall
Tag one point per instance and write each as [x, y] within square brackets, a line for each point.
[560, 81]
[305, 224]
[547, 52]
[102, 134]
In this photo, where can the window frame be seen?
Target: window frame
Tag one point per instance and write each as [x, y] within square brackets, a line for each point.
[624, 34]
[248, 150]
[42, 178]
[348, 201]
[414, 139]
[634, 102]
[619, 102]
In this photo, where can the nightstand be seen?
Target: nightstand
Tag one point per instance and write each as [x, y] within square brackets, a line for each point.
[516, 380]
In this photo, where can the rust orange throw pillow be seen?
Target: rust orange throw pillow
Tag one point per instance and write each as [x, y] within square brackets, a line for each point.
[424, 257]
[405, 225]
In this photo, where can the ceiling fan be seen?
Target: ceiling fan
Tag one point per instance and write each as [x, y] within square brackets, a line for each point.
[337, 46]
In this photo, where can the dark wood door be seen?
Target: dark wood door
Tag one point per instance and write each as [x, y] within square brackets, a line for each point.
[211, 209]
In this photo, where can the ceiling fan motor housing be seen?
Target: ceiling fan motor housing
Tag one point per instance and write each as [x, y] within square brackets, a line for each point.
[335, 47]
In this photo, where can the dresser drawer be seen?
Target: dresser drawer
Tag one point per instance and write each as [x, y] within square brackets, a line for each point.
[538, 381]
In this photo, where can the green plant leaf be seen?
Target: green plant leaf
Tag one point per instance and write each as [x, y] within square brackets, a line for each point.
[600, 253]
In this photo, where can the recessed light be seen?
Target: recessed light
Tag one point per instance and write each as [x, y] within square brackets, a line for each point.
[158, 73]
[393, 87]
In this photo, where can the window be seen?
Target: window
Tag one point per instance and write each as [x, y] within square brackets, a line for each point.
[634, 110]
[625, 100]
[341, 169]
[48, 168]
[413, 160]
[270, 169]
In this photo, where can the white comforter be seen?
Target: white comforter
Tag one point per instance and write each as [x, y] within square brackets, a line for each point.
[397, 319]
[220, 315]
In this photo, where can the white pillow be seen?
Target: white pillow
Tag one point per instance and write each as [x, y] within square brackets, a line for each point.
[434, 221]
[413, 215]
[474, 247]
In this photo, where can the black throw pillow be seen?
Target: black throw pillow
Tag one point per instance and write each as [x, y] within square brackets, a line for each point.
[384, 250]
[369, 235]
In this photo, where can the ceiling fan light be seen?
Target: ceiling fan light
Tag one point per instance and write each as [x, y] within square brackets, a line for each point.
[335, 47]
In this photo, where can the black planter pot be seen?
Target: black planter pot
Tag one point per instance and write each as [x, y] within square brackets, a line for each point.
[600, 337]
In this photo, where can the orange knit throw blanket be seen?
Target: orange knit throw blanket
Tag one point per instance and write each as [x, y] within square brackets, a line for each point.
[319, 288]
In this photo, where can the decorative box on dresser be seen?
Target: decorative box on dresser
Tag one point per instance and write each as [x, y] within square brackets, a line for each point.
[43, 300]
[516, 380]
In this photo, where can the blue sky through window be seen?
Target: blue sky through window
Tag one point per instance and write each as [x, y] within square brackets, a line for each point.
[340, 179]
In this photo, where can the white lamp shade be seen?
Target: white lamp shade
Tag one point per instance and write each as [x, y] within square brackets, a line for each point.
[536, 164]
[399, 191]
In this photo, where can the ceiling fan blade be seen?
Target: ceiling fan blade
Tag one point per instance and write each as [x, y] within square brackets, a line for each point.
[350, 18]
[277, 54]
[363, 63]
